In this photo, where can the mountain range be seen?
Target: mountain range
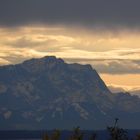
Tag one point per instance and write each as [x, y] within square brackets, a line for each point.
[131, 90]
[47, 93]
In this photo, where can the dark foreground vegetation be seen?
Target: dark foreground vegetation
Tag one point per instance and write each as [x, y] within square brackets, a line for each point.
[115, 133]
[111, 133]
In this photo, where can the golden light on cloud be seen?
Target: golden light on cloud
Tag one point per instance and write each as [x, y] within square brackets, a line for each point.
[110, 47]
[4, 62]
[67, 43]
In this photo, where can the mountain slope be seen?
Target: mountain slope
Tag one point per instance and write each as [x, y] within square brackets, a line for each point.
[48, 93]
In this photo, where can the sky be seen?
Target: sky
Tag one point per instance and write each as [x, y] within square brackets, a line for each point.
[103, 33]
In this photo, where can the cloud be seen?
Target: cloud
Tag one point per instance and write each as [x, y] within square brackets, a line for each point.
[134, 90]
[40, 43]
[23, 42]
[110, 66]
[55, 38]
[116, 88]
[107, 53]
[95, 13]
[123, 87]
[117, 67]
[103, 62]
[4, 61]
[9, 55]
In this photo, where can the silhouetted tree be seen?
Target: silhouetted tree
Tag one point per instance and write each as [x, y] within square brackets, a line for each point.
[93, 136]
[45, 136]
[117, 133]
[55, 135]
[77, 135]
[138, 136]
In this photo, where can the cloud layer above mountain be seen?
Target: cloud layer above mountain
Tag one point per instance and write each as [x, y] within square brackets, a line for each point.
[108, 52]
[135, 90]
[105, 34]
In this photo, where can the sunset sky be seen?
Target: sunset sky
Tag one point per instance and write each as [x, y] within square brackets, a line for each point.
[103, 33]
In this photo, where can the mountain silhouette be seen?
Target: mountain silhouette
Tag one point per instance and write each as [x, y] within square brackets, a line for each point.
[48, 93]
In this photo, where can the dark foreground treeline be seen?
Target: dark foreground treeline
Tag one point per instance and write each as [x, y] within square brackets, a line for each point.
[115, 133]
[111, 133]
[77, 134]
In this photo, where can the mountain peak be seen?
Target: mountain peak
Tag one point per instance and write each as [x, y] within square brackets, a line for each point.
[45, 59]
[41, 64]
[52, 59]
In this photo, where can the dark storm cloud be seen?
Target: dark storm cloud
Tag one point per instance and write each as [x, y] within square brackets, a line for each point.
[106, 13]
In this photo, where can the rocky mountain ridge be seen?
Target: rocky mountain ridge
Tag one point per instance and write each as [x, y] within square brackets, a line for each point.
[49, 93]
